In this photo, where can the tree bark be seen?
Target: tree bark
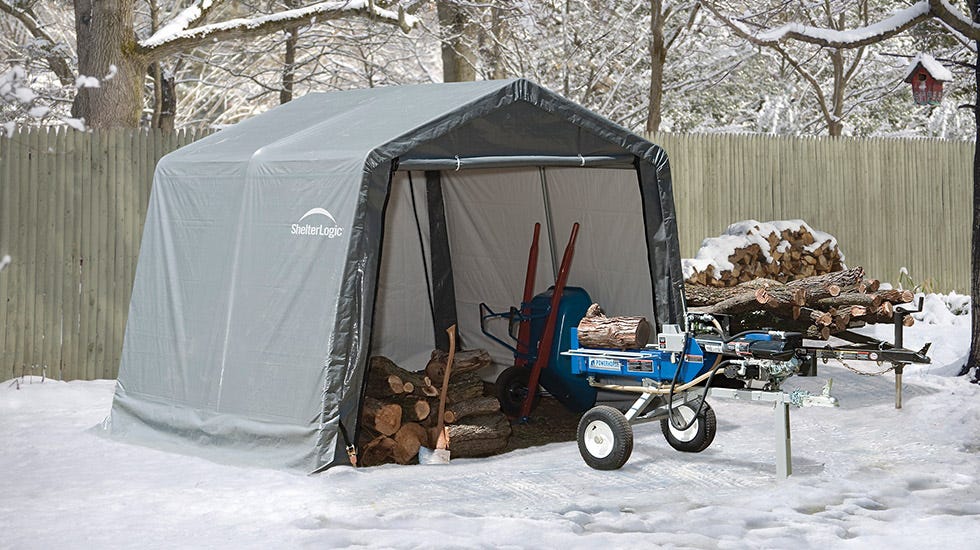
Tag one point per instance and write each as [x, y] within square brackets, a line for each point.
[458, 60]
[658, 60]
[105, 37]
[481, 436]
[463, 362]
[599, 331]
[471, 407]
[973, 358]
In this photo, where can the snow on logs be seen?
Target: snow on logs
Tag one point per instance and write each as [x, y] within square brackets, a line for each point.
[400, 410]
[780, 250]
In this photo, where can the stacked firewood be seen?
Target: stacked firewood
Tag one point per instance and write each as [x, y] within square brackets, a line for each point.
[790, 254]
[400, 410]
[818, 306]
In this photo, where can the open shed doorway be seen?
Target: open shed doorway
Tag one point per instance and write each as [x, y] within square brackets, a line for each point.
[481, 255]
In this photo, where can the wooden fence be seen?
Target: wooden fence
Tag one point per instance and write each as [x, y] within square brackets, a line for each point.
[72, 206]
[71, 215]
[890, 203]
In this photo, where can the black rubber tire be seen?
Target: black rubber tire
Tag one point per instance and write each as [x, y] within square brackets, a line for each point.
[511, 389]
[598, 424]
[699, 436]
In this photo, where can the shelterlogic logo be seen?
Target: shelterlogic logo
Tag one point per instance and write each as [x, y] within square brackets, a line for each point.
[319, 230]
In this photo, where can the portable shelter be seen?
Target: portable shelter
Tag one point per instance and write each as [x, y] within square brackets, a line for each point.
[280, 253]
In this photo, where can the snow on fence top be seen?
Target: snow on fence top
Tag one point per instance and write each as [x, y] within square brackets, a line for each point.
[773, 240]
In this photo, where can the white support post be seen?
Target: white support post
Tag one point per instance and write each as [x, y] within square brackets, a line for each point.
[784, 454]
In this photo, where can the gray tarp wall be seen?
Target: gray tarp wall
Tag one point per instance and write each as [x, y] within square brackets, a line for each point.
[266, 244]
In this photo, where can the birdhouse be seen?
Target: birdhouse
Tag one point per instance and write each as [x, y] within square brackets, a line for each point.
[926, 75]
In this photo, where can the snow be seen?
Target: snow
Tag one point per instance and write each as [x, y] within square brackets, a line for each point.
[933, 67]
[888, 25]
[177, 29]
[76, 123]
[4, 261]
[715, 251]
[865, 476]
[8, 128]
[82, 81]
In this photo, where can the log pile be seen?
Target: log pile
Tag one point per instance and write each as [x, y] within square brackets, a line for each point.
[400, 409]
[766, 251]
[818, 306]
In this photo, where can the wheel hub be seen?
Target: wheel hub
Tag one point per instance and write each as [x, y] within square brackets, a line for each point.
[599, 439]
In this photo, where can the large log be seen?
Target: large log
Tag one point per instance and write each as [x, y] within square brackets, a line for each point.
[471, 407]
[409, 438]
[811, 289]
[466, 386]
[463, 361]
[414, 408]
[382, 386]
[480, 436]
[599, 331]
[384, 418]
[415, 382]
[703, 295]
[380, 450]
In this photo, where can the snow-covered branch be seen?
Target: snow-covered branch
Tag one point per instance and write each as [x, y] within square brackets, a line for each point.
[56, 63]
[175, 37]
[892, 25]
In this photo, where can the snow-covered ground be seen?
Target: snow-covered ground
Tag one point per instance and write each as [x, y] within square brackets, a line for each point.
[865, 476]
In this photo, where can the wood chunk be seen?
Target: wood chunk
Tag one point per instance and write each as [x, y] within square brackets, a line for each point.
[408, 440]
[471, 407]
[599, 331]
[463, 361]
[379, 450]
[479, 436]
[384, 418]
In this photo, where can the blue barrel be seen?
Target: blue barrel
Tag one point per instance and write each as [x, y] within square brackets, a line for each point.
[572, 391]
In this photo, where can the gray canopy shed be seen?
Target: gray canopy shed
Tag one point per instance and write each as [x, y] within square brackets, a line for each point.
[279, 254]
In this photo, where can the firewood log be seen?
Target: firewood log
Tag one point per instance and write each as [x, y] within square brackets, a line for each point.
[409, 438]
[414, 408]
[384, 418]
[480, 436]
[382, 366]
[471, 407]
[463, 361]
[599, 331]
[377, 451]
[895, 296]
[871, 301]
[381, 386]
[468, 385]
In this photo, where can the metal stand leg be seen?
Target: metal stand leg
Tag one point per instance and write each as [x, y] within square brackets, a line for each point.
[784, 454]
[898, 386]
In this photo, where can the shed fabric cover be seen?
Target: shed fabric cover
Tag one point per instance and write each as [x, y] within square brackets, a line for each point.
[254, 304]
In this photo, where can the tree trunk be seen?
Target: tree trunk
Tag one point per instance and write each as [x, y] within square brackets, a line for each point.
[658, 60]
[458, 61]
[289, 61]
[973, 358]
[105, 37]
